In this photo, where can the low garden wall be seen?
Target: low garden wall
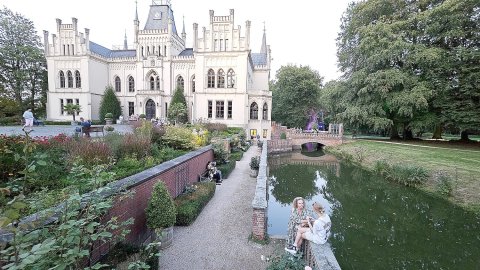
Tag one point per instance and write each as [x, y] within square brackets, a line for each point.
[260, 202]
[176, 174]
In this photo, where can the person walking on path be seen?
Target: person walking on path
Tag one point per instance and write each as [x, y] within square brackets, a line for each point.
[28, 116]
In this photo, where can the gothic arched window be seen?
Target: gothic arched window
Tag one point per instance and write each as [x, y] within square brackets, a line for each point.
[62, 79]
[231, 78]
[158, 82]
[193, 84]
[118, 84]
[78, 79]
[211, 79]
[131, 84]
[152, 83]
[69, 79]
[221, 79]
[180, 82]
[265, 111]
[254, 111]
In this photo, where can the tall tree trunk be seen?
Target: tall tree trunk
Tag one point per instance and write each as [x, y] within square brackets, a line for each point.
[394, 132]
[464, 136]
[437, 133]
[407, 133]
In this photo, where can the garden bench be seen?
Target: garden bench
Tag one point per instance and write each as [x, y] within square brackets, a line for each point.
[90, 129]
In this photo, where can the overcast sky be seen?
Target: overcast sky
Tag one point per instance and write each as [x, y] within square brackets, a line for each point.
[301, 32]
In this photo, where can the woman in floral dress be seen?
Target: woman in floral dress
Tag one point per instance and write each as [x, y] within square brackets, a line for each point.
[298, 216]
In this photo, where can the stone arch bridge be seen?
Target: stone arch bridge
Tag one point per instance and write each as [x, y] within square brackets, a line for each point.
[297, 137]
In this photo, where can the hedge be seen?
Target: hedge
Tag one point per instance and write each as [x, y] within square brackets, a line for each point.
[190, 205]
[237, 156]
[227, 168]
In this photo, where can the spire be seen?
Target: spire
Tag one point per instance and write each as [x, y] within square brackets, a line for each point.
[125, 46]
[264, 41]
[184, 35]
[136, 10]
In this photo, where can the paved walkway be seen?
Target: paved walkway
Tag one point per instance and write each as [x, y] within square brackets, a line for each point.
[50, 131]
[218, 239]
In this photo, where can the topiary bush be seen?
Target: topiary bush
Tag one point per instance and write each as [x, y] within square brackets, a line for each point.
[109, 104]
[190, 205]
[161, 212]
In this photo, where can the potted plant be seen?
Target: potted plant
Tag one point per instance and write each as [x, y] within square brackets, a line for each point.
[142, 116]
[109, 129]
[73, 109]
[254, 166]
[161, 214]
[108, 118]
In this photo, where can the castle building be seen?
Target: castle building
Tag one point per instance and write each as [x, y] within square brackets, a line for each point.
[223, 81]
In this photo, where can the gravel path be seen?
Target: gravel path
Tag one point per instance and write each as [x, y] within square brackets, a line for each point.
[218, 239]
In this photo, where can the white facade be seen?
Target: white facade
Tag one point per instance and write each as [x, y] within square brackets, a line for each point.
[223, 81]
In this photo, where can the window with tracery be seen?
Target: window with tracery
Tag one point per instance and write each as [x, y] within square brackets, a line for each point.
[131, 84]
[254, 111]
[221, 79]
[78, 79]
[211, 79]
[118, 84]
[70, 79]
[62, 79]
[231, 78]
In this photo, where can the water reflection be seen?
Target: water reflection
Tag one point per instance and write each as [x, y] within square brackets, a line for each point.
[375, 224]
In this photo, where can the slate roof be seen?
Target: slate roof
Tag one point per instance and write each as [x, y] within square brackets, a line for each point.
[158, 18]
[107, 53]
[187, 52]
[259, 59]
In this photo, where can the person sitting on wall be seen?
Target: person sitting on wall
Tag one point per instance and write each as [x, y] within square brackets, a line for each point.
[86, 124]
[214, 173]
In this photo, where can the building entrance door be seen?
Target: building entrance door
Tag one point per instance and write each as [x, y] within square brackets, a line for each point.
[150, 111]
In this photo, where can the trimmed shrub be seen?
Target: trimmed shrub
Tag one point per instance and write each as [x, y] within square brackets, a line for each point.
[190, 205]
[160, 211]
[443, 183]
[237, 156]
[283, 136]
[215, 127]
[109, 104]
[227, 168]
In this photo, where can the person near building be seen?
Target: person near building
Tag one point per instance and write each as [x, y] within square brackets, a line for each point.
[28, 117]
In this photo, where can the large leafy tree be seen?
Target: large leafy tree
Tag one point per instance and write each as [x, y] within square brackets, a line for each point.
[110, 104]
[178, 107]
[295, 94]
[22, 62]
[410, 64]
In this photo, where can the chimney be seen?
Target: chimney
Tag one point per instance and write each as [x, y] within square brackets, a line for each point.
[195, 37]
[87, 39]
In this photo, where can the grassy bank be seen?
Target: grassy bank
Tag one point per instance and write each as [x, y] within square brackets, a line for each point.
[460, 163]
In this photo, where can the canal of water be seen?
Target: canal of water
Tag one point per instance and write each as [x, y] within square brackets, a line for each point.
[375, 224]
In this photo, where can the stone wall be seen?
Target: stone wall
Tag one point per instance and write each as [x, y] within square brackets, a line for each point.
[260, 203]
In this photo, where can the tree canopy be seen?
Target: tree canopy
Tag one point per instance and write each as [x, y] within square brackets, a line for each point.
[295, 93]
[23, 73]
[408, 65]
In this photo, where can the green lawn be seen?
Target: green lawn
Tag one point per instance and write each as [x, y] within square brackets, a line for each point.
[461, 162]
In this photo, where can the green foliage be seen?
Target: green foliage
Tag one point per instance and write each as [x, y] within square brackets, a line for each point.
[22, 63]
[443, 183]
[190, 205]
[9, 108]
[408, 175]
[237, 156]
[165, 153]
[295, 93]
[255, 163]
[178, 107]
[109, 104]
[265, 241]
[283, 136]
[73, 109]
[123, 254]
[227, 168]
[135, 145]
[142, 116]
[89, 152]
[220, 154]
[179, 138]
[109, 116]
[160, 211]
[212, 127]
[421, 79]
[287, 262]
